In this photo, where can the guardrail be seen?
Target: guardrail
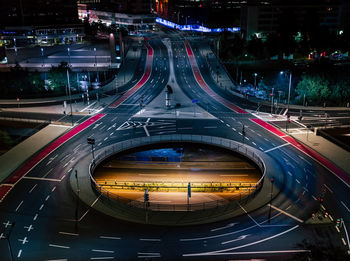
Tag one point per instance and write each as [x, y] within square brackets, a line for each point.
[234, 201]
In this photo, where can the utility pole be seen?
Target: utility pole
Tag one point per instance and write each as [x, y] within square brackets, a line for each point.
[91, 141]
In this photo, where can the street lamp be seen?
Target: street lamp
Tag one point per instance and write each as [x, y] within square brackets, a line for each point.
[255, 74]
[290, 85]
[42, 56]
[95, 58]
[91, 141]
[69, 90]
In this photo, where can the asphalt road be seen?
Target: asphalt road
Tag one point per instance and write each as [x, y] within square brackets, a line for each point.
[44, 208]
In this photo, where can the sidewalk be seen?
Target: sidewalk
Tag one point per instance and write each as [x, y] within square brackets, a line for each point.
[15, 157]
[329, 150]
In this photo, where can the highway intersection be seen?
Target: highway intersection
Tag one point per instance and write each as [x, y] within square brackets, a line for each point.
[51, 223]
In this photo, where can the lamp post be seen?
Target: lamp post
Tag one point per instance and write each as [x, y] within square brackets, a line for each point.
[289, 87]
[95, 58]
[42, 56]
[91, 141]
[255, 74]
[69, 90]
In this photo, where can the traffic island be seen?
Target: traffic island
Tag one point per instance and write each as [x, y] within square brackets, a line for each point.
[229, 200]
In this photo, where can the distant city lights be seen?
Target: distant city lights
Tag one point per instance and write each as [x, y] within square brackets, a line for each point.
[194, 27]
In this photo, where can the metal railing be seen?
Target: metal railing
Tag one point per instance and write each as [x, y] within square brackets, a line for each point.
[231, 202]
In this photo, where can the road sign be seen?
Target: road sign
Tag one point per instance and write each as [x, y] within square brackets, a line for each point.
[195, 101]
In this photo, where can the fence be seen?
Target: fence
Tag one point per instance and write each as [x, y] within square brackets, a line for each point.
[232, 202]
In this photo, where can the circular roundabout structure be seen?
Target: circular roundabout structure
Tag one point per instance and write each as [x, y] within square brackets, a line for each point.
[175, 179]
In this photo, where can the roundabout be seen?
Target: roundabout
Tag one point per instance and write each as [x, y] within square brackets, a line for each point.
[226, 180]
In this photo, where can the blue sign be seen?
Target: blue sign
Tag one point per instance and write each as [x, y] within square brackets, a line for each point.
[195, 101]
[189, 189]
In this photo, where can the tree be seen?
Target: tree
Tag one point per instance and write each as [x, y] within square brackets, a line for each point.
[314, 86]
[58, 78]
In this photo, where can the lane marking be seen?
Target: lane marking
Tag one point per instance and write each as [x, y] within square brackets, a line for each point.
[19, 253]
[58, 246]
[337, 171]
[31, 190]
[20, 204]
[145, 128]
[280, 146]
[331, 191]
[102, 251]
[234, 240]
[107, 237]
[101, 258]
[150, 239]
[345, 206]
[286, 213]
[44, 179]
[67, 233]
[221, 228]
[220, 252]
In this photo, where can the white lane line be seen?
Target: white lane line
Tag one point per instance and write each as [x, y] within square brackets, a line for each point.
[53, 189]
[20, 204]
[343, 240]
[19, 253]
[280, 146]
[58, 246]
[314, 197]
[331, 191]
[221, 228]
[102, 251]
[113, 238]
[45, 179]
[77, 147]
[47, 173]
[234, 240]
[101, 258]
[286, 213]
[228, 125]
[150, 239]
[145, 128]
[210, 127]
[234, 129]
[41, 207]
[111, 134]
[337, 228]
[105, 138]
[57, 260]
[219, 252]
[264, 252]
[31, 190]
[67, 233]
[35, 217]
[148, 119]
[345, 206]
[46, 199]
[261, 148]
[254, 143]
[289, 173]
[297, 181]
